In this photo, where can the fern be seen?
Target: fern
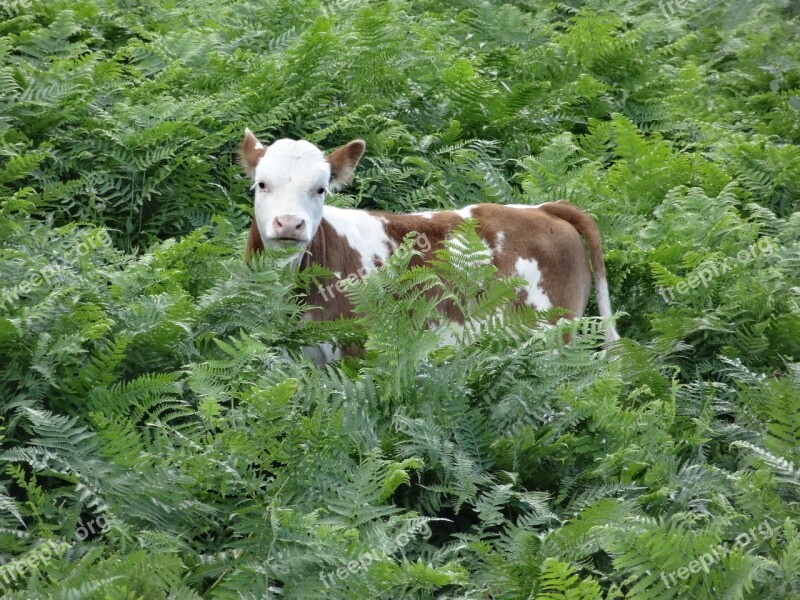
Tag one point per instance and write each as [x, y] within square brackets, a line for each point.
[155, 383]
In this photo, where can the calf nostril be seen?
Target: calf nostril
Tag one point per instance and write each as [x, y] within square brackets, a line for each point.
[300, 225]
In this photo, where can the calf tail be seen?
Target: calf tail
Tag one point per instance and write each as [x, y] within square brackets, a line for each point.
[588, 229]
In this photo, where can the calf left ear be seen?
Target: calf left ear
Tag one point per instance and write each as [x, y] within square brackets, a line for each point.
[343, 162]
[250, 152]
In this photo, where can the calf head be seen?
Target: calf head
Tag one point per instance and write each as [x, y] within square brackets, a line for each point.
[290, 181]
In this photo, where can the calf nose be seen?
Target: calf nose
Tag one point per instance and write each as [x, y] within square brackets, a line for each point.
[289, 227]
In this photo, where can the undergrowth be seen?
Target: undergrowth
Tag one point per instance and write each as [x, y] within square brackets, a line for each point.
[159, 421]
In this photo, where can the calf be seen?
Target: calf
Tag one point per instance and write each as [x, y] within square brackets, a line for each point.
[542, 244]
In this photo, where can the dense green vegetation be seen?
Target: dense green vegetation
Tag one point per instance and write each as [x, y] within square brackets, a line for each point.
[162, 435]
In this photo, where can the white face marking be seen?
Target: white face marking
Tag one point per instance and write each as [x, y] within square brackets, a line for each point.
[528, 269]
[287, 183]
[364, 233]
[499, 242]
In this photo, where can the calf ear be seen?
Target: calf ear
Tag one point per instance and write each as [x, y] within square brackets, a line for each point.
[343, 162]
[250, 152]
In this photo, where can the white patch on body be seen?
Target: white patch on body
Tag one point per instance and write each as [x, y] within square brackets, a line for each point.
[458, 247]
[528, 269]
[364, 233]
[525, 206]
[499, 242]
[449, 332]
[322, 354]
[466, 212]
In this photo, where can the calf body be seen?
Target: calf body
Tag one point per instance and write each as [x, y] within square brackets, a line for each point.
[541, 244]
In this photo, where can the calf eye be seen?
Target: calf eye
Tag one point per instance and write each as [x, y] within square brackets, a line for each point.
[321, 190]
[262, 185]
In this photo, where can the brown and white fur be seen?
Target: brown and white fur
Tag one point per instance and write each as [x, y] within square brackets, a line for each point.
[542, 244]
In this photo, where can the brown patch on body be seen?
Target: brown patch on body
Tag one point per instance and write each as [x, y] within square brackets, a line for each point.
[254, 242]
[555, 245]
[436, 229]
[528, 233]
[332, 251]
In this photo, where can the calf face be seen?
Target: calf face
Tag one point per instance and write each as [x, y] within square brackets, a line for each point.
[290, 181]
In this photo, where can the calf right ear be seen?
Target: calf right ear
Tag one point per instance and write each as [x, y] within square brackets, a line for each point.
[343, 162]
[250, 152]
